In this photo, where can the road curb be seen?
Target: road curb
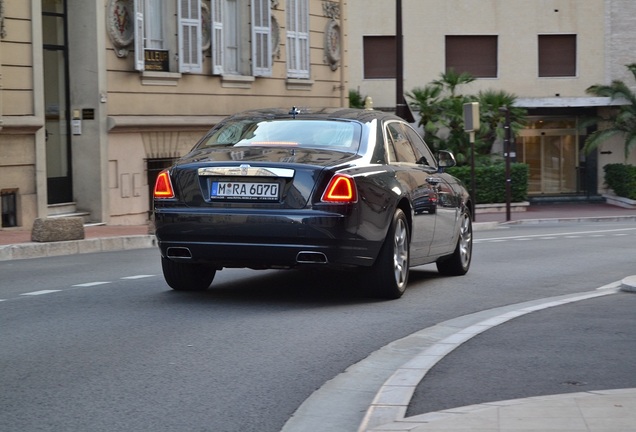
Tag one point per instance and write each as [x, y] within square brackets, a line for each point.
[629, 284]
[50, 249]
[388, 409]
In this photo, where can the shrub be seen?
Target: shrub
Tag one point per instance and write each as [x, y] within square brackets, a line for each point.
[621, 178]
[356, 100]
[490, 182]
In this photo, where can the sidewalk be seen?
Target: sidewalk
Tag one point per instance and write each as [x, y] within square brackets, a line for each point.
[15, 243]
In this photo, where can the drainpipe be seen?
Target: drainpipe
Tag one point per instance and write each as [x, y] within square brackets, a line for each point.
[343, 93]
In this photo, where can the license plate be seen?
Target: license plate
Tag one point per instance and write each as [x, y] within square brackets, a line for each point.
[245, 190]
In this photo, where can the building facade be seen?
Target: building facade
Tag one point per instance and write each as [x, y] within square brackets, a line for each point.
[546, 52]
[97, 96]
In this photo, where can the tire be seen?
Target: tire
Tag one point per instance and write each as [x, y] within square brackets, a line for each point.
[187, 277]
[458, 263]
[390, 272]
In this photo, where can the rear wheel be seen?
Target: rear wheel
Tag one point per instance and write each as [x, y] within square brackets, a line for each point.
[458, 263]
[390, 273]
[187, 276]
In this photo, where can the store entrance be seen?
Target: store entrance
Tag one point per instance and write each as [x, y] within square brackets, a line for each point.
[551, 149]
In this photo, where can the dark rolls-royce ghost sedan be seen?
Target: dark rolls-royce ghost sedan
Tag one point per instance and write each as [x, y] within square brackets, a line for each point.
[347, 189]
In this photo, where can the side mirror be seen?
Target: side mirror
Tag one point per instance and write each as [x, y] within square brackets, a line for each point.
[445, 159]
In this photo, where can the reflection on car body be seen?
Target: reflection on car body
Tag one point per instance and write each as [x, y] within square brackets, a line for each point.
[347, 189]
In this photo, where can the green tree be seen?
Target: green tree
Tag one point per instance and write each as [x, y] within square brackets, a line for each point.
[491, 103]
[622, 120]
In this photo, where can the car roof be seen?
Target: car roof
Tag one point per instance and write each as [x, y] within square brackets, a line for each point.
[353, 114]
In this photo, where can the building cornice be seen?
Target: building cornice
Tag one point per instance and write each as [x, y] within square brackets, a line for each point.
[161, 123]
[565, 102]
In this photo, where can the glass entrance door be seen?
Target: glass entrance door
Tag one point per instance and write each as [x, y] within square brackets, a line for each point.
[551, 151]
[56, 96]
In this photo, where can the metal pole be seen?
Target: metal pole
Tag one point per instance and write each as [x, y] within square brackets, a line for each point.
[473, 187]
[400, 106]
[507, 155]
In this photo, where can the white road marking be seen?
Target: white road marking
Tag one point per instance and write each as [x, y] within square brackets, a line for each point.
[90, 284]
[138, 277]
[34, 293]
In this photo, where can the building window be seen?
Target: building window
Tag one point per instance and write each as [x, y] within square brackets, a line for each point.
[297, 38]
[557, 55]
[153, 49]
[233, 26]
[476, 55]
[153, 24]
[379, 57]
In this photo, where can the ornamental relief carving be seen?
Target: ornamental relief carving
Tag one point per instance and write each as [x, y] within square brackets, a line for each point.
[3, 31]
[333, 41]
[120, 20]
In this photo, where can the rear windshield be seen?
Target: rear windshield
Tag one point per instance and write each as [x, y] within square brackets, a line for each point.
[335, 134]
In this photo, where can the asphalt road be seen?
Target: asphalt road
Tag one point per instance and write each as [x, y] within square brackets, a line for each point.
[99, 342]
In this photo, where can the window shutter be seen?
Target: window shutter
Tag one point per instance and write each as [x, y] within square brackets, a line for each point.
[303, 18]
[139, 35]
[476, 55]
[217, 37]
[557, 55]
[261, 37]
[298, 39]
[190, 50]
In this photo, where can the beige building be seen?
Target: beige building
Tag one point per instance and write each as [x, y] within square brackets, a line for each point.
[546, 52]
[96, 96]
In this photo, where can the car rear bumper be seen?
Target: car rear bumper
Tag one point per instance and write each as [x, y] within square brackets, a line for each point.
[263, 240]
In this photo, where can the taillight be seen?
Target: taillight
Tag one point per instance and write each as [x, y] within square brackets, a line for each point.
[341, 189]
[163, 186]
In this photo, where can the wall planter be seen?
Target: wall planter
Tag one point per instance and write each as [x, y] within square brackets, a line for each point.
[619, 201]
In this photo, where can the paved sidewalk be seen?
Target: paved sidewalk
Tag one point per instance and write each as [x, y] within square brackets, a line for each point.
[597, 411]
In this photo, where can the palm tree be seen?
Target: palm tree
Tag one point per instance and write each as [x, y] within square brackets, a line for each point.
[622, 121]
[450, 80]
[492, 118]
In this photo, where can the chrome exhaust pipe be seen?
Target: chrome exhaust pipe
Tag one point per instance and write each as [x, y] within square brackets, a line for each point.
[178, 253]
[309, 257]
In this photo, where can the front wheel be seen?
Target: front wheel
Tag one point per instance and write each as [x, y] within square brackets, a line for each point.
[458, 263]
[390, 273]
[187, 276]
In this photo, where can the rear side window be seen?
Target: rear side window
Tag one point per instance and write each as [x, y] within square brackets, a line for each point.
[321, 134]
[406, 146]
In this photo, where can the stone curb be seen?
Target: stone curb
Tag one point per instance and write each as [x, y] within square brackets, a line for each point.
[629, 284]
[50, 249]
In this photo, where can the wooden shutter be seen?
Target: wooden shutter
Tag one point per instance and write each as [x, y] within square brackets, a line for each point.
[139, 35]
[217, 37]
[190, 50]
[476, 55]
[261, 38]
[379, 57]
[557, 55]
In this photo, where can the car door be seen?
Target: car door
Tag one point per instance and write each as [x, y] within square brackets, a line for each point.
[413, 174]
[446, 205]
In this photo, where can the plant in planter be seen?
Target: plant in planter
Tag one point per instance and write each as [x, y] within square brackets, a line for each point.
[621, 178]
